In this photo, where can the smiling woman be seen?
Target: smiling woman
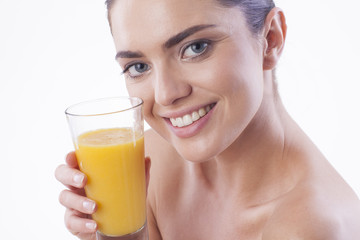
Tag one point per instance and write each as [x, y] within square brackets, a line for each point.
[228, 162]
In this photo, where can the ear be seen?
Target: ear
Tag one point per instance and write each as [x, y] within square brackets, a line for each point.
[274, 36]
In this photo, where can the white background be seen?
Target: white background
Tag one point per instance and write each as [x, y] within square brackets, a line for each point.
[55, 53]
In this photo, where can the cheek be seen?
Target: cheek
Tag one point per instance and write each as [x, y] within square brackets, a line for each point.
[233, 69]
[238, 81]
[244, 94]
[234, 77]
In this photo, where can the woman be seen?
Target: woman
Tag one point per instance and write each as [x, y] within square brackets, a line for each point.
[227, 161]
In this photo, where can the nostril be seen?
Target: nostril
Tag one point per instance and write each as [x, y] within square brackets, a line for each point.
[166, 95]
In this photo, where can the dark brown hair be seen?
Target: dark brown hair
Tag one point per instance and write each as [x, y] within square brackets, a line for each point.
[255, 11]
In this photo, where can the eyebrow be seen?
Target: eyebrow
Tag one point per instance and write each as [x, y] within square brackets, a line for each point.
[169, 43]
[128, 54]
[186, 33]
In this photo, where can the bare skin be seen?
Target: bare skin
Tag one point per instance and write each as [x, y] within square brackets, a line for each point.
[243, 171]
[300, 196]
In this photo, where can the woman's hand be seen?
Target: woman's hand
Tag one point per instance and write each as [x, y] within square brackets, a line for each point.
[79, 208]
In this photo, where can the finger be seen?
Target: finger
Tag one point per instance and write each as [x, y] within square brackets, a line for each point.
[71, 160]
[76, 223]
[70, 176]
[74, 201]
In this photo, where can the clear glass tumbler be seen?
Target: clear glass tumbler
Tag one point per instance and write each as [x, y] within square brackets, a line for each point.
[108, 135]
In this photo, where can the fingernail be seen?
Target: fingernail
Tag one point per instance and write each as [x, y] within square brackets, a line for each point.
[90, 206]
[90, 225]
[78, 178]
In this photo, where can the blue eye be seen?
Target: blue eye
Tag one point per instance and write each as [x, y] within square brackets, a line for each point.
[137, 69]
[195, 49]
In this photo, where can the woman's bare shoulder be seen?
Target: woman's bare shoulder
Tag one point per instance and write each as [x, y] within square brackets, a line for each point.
[310, 213]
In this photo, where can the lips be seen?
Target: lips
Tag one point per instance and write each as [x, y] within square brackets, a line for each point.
[188, 119]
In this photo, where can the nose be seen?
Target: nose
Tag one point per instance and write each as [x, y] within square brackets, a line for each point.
[170, 86]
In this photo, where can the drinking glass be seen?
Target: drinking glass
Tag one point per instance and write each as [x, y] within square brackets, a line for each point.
[108, 135]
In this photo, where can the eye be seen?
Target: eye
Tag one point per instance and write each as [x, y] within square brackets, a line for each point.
[136, 69]
[195, 49]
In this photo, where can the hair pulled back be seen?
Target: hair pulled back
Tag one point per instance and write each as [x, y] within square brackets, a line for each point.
[255, 11]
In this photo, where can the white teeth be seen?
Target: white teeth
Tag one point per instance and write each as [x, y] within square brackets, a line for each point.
[202, 112]
[187, 120]
[179, 122]
[190, 118]
[173, 122]
[195, 116]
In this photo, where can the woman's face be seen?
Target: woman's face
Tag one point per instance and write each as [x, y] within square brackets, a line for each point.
[196, 66]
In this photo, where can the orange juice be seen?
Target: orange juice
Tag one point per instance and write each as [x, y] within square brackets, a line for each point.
[113, 161]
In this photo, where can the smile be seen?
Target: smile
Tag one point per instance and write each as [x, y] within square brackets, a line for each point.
[188, 119]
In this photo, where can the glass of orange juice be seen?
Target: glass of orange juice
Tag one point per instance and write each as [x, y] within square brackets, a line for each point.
[108, 135]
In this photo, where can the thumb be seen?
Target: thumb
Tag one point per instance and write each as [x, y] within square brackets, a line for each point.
[71, 160]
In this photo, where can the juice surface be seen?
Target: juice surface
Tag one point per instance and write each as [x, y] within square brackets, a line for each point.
[113, 160]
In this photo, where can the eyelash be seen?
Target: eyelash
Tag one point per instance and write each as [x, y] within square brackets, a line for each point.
[201, 41]
[126, 69]
[128, 66]
[182, 52]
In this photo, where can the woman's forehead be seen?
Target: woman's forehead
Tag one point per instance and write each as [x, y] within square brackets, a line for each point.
[131, 19]
[161, 12]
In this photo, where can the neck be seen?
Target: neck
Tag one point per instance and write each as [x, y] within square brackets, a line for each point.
[256, 166]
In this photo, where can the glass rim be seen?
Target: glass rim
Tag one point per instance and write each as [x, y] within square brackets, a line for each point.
[69, 113]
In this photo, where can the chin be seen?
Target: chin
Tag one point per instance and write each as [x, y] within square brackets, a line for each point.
[195, 153]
